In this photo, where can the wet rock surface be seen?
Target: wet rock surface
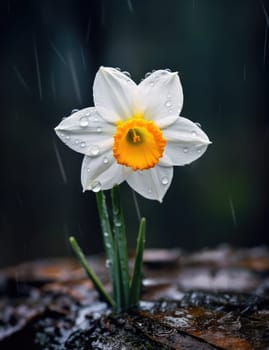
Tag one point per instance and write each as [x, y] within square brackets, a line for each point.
[211, 299]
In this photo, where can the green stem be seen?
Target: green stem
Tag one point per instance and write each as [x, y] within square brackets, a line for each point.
[95, 280]
[121, 244]
[111, 254]
[137, 273]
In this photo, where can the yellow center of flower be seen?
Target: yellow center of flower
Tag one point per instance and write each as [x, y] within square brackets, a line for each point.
[138, 143]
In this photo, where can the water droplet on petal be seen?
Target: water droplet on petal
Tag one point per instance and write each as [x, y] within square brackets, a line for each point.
[67, 137]
[83, 122]
[185, 150]
[151, 83]
[98, 129]
[87, 113]
[74, 111]
[94, 150]
[127, 74]
[198, 124]
[82, 144]
[168, 104]
[164, 180]
[194, 133]
[118, 69]
[149, 190]
[96, 186]
[147, 74]
[76, 142]
[199, 150]
[88, 169]
[168, 70]
[105, 160]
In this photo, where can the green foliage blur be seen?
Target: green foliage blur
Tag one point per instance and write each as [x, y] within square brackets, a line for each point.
[50, 53]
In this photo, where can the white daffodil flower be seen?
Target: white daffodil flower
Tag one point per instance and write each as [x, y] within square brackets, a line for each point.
[133, 133]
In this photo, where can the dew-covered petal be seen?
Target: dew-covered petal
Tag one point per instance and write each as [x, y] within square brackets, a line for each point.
[185, 141]
[161, 95]
[102, 172]
[114, 91]
[152, 183]
[87, 132]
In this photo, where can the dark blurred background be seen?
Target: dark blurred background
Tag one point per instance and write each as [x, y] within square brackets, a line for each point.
[50, 52]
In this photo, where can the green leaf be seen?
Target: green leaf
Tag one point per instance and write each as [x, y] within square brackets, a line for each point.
[120, 246]
[111, 253]
[137, 273]
[95, 280]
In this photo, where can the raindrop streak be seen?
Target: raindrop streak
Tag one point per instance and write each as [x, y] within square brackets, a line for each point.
[88, 29]
[265, 13]
[74, 77]
[137, 208]
[52, 81]
[37, 70]
[130, 6]
[21, 80]
[231, 204]
[60, 163]
[58, 53]
[265, 44]
[83, 59]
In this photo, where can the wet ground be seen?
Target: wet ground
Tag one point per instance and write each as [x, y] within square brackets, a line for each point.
[211, 299]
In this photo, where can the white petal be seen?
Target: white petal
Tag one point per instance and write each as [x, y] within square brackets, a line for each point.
[152, 183]
[86, 132]
[161, 95]
[102, 173]
[114, 91]
[185, 141]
